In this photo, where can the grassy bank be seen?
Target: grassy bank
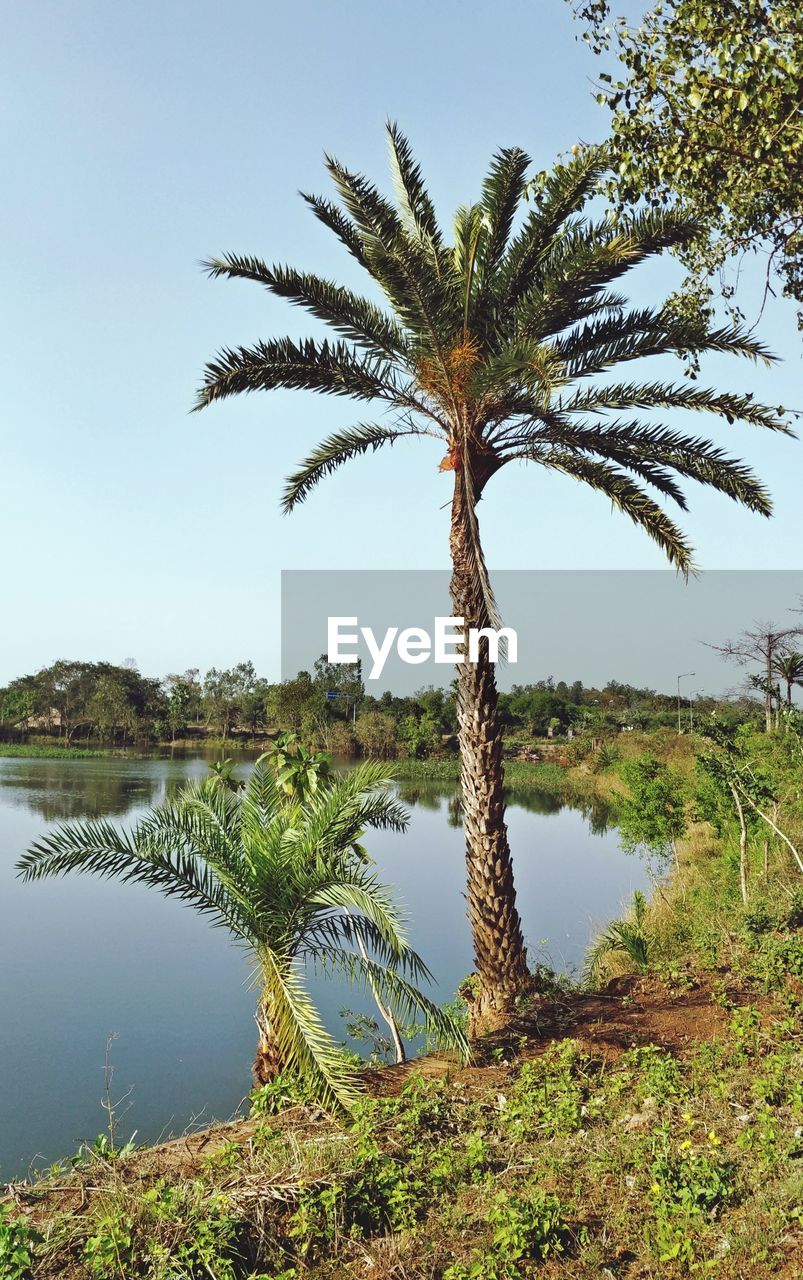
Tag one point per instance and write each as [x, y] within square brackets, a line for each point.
[40, 751]
[577, 784]
[652, 1128]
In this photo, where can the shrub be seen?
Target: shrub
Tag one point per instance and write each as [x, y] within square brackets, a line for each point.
[340, 739]
[376, 734]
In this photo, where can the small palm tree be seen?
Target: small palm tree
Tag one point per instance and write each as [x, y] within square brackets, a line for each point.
[628, 937]
[502, 343]
[790, 668]
[284, 880]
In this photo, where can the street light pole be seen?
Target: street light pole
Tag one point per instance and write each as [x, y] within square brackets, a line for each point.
[683, 675]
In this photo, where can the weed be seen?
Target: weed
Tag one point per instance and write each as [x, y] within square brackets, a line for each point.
[283, 1091]
[659, 1074]
[17, 1242]
[525, 1229]
[546, 1098]
[108, 1251]
[744, 1027]
[689, 1182]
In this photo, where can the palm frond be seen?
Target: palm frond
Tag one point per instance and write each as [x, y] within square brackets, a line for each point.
[327, 212]
[635, 444]
[502, 194]
[302, 1043]
[588, 258]
[400, 264]
[658, 395]
[636, 335]
[333, 368]
[96, 847]
[350, 315]
[327, 932]
[336, 449]
[407, 1002]
[470, 230]
[563, 194]
[362, 893]
[626, 497]
[627, 937]
[413, 196]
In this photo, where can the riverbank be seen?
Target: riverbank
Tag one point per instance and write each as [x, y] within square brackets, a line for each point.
[37, 751]
[573, 784]
[651, 1128]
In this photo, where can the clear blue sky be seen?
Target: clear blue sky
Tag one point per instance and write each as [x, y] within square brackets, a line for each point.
[140, 138]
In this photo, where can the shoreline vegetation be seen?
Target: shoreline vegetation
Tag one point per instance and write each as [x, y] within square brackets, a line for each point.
[43, 751]
[647, 1123]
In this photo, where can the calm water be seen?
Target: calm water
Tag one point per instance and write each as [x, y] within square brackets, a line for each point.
[81, 958]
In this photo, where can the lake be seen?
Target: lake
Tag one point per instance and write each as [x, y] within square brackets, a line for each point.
[82, 958]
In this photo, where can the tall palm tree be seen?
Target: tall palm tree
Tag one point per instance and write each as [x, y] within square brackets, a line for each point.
[289, 882]
[492, 343]
[790, 668]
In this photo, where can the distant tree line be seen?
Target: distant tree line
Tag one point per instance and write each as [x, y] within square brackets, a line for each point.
[328, 708]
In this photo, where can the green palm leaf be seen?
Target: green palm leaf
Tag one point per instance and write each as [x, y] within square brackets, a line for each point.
[338, 448]
[284, 879]
[352, 316]
[507, 343]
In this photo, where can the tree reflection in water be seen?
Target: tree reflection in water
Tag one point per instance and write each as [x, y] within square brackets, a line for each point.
[429, 795]
[55, 792]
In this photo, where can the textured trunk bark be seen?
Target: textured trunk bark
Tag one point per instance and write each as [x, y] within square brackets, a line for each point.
[267, 1063]
[499, 952]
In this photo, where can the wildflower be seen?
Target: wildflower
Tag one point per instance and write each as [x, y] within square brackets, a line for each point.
[714, 1140]
[685, 1145]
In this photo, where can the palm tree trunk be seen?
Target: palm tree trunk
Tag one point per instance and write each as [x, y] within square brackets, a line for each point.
[499, 952]
[267, 1063]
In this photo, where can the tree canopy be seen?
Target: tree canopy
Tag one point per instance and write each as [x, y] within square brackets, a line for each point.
[706, 111]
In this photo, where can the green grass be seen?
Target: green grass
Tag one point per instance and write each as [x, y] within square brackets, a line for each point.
[518, 773]
[427, 770]
[684, 1165]
[565, 1158]
[30, 751]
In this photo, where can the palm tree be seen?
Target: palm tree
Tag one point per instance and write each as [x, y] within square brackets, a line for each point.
[491, 343]
[790, 668]
[628, 937]
[284, 880]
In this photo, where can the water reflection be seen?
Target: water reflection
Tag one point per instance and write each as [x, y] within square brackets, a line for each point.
[57, 793]
[58, 790]
[425, 795]
[82, 957]
[431, 795]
